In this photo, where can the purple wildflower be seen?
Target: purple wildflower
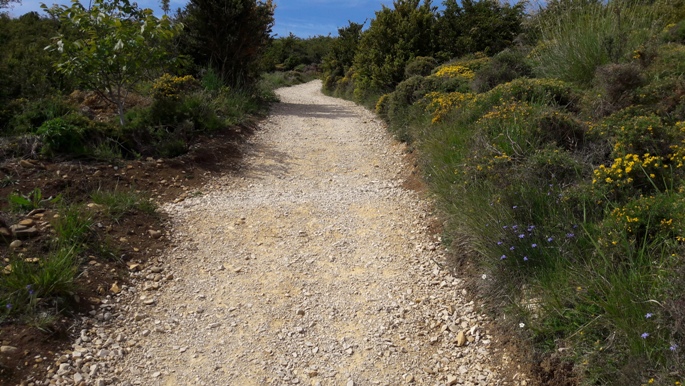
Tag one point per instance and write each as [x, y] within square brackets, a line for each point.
[525, 258]
[673, 347]
[648, 315]
[521, 236]
[570, 235]
[503, 257]
[550, 239]
[644, 335]
[534, 245]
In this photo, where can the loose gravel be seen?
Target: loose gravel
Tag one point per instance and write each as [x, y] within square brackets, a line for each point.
[314, 266]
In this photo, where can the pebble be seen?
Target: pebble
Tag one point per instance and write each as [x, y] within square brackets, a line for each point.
[9, 350]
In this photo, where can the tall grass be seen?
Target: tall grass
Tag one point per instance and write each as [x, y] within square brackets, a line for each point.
[579, 38]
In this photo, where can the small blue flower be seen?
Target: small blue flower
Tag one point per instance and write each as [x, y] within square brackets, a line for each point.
[534, 245]
[673, 347]
[521, 236]
[514, 227]
[575, 226]
[512, 248]
[530, 228]
[644, 335]
[505, 227]
[500, 243]
[503, 257]
[525, 258]
[8, 306]
[648, 315]
[514, 207]
[550, 239]
[570, 235]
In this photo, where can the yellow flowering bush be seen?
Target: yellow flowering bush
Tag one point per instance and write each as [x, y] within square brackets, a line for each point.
[382, 104]
[440, 104]
[631, 170]
[455, 71]
[659, 215]
[172, 87]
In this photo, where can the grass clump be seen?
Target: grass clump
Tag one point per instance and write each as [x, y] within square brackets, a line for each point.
[118, 203]
[577, 39]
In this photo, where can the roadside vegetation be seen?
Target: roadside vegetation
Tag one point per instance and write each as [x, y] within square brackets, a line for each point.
[554, 142]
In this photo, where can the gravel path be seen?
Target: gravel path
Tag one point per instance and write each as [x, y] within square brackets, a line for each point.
[315, 267]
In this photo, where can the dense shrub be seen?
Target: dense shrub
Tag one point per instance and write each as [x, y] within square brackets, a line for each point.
[420, 65]
[502, 68]
[228, 36]
[394, 37]
[470, 26]
[617, 83]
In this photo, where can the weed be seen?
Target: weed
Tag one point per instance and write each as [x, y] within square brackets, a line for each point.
[33, 200]
[119, 203]
[28, 285]
[72, 227]
[8, 180]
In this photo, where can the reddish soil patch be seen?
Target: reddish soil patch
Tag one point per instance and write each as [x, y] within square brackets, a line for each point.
[128, 239]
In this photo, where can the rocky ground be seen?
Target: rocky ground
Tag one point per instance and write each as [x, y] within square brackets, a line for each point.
[314, 265]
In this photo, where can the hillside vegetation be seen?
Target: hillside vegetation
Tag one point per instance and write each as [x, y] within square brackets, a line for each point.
[554, 142]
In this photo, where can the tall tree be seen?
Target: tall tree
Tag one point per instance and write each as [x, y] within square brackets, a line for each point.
[342, 52]
[228, 35]
[396, 36]
[477, 26]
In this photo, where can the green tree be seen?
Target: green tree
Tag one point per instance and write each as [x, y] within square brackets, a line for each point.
[341, 55]
[288, 52]
[111, 47]
[25, 66]
[477, 26]
[396, 36]
[229, 36]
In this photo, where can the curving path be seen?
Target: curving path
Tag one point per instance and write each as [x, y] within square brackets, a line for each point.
[314, 266]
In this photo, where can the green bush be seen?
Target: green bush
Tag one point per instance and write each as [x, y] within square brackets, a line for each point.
[421, 66]
[616, 84]
[395, 36]
[61, 137]
[502, 68]
[30, 115]
[675, 33]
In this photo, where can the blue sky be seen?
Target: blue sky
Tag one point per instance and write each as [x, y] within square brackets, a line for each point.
[303, 18]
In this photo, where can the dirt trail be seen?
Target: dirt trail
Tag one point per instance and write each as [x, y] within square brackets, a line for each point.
[315, 266]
